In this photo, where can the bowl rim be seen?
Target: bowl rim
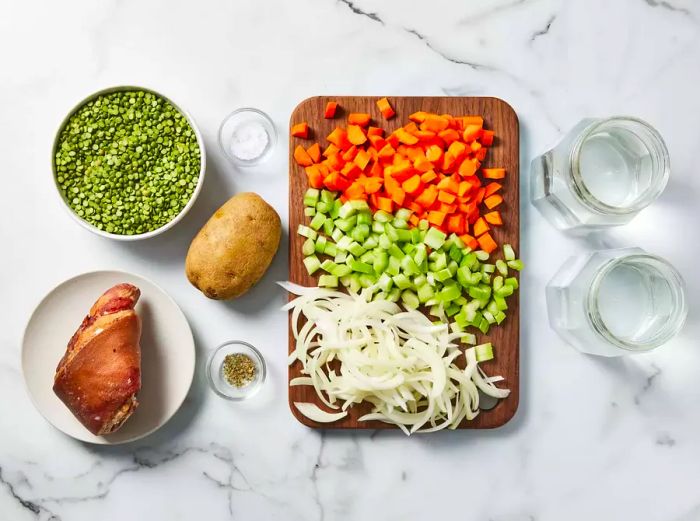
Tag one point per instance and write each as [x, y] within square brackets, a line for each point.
[273, 137]
[179, 216]
[247, 346]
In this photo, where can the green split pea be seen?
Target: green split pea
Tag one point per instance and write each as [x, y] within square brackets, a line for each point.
[127, 162]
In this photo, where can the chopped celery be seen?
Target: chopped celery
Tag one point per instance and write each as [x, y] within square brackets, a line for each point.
[404, 236]
[403, 214]
[328, 265]
[346, 224]
[328, 227]
[409, 299]
[394, 295]
[455, 253]
[505, 291]
[320, 245]
[308, 248]
[488, 268]
[370, 243]
[309, 212]
[337, 235]
[341, 270]
[394, 267]
[367, 281]
[364, 218]
[381, 260]
[396, 252]
[443, 275]
[516, 265]
[311, 197]
[469, 338]
[483, 352]
[500, 303]
[307, 232]
[449, 293]
[500, 317]
[402, 281]
[434, 238]
[409, 266]
[322, 207]
[341, 256]
[497, 282]
[385, 282]
[356, 249]
[312, 264]
[391, 232]
[327, 197]
[347, 210]
[360, 266]
[317, 221]
[400, 224]
[382, 217]
[481, 255]
[367, 257]
[489, 317]
[502, 267]
[328, 281]
[425, 293]
[512, 281]
[377, 227]
[508, 252]
[416, 236]
[480, 292]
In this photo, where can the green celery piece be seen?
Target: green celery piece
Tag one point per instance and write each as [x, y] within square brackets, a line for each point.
[328, 281]
[409, 299]
[355, 284]
[402, 281]
[320, 246]
[327, 197]
[328, 265]
[359, 205]
[419, 280]
[489, 317]
[500, 317]
[377, 227]
[384, 241]
[360, 266]
[492, 307]
[505, 291]
[367, 257]
[391, 232]
[516, 265]
[364, 218]
[500, 303]
[403, 214]
[344, 243]
[341, 270]
[311, 197]
[381, 260]
[452, 309]
[497, 282]
[346, 224]
[340, 257]
[455, 253]
[309, 212]
[367, 281]
[481, 255]
[416, 236]
[443, 275]
[317, 221]
[347, 210]
[308, 248]
[335, 209]
[322, 207]
[453, 267]
[502, 267]
[470, 261]
[403, 235]
[456, 241]
[469, 338]
[423, 225]
[425, 293]
[449, 293]
[394, 295]
[337, 235]
[488, 268]
[356, 249]
[370, 243]
[312, 264]
[328, 227]
[385, 282]
[508, 252]
[464, 276]
[409, 266]
[434, 238]
[420, 253]
[512, 281]
[484, 326]
[483, 352]
[396, 252]
[400, 223]
[307, 232]
[394, 267]
[382, 217]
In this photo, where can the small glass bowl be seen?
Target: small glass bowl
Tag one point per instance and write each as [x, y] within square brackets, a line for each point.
[235, 120]
[216, 378]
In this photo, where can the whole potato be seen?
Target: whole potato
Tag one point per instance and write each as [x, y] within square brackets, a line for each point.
[234, 248]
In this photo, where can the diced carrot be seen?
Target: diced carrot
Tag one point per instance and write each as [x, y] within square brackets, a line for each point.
[487, 243]
[359, 118]
[300, 130]
[334, 162]
[413, 185]
[446, 197]
[464, 187]
[455, 224]
[339, 138]
[314, 176]
[424, 135]
[428, 196]
[414, 220]
[387, 151]
[479, 197]
[433, 153]
[373, 184]
[336, 182]
[355, 191]
[398, 196]
[471, 132]
[448, 162]
[475, 146]
[331, 107]
[435, 217]
[447, 208]
[493, 218]
[448, 135]
[467, 168]
[481, 154]
[472, 120]
[405, 137]
[356, 135]
[492, 188]
[362, 159]
[314, 152]
[494, 173]
[330, 150]
[392, 140]
[350, 153]
[385, 204]
[378, 142]
[480, 227]
[410, 127]
[492, 201]
[457, 149]
[418, 117]
[422, 164]
[469, 241]
[412, 153]
[487, 137]
[385, 108]
[375, 131]
[402, 171]
[434, 123]
[302, 157]
[377, 170]
[429, 176]
[450, 183]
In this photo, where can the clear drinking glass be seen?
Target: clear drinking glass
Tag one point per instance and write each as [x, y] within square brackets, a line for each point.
[616, 302]
[601, 174]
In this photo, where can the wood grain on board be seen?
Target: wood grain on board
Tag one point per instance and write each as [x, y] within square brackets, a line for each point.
[498, 116]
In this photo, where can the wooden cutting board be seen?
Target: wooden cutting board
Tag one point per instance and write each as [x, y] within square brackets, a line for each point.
[498, 116]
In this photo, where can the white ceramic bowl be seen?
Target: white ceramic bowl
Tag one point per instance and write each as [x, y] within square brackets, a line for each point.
[178, 217]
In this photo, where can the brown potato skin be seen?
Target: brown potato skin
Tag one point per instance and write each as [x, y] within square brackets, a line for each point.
[233, 250]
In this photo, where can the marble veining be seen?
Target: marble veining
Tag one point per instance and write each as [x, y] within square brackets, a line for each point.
[593, 439]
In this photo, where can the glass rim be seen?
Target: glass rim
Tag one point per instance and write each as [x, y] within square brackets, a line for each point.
[671, 329]
[648, 196]
[272, 135]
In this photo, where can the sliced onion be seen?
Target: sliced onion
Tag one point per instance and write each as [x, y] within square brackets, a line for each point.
[395, 359]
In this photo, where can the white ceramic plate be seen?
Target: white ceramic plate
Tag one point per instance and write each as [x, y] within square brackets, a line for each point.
[167, 353]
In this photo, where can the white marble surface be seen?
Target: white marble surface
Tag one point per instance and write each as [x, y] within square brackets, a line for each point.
[593, 439]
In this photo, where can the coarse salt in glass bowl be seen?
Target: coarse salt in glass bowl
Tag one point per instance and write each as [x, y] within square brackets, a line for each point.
[215, 371]
[247, 136]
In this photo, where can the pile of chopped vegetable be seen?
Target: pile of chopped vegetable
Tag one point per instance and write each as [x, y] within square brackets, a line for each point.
[398, 361]
[402, 222]
[430, 166]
